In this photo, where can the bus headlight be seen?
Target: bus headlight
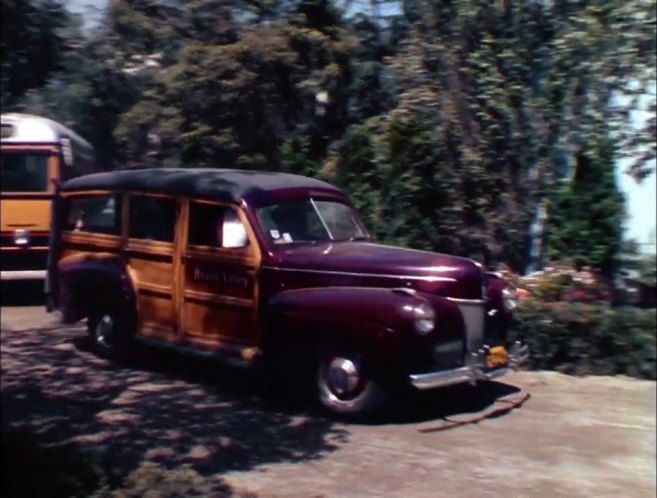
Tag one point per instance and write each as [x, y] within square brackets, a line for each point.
[425, 318]
[21, 237]
[509, 298]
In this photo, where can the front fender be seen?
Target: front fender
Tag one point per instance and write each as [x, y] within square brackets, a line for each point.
[379, 321]
[92, 281]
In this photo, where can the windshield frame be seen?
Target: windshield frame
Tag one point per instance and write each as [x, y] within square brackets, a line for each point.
[312, 200]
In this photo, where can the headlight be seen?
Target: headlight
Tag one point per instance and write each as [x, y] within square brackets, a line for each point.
[509, 298]
[425, 319]
[21, 237]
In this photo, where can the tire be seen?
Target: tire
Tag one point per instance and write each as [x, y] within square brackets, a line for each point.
[346, 386]
[109, 334]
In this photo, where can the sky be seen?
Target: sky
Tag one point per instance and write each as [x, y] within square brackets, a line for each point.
[639, 198]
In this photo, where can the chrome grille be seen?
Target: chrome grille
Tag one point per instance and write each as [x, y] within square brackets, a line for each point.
[473, 316]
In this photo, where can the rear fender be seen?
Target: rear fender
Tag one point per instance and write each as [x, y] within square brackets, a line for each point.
[88, 283]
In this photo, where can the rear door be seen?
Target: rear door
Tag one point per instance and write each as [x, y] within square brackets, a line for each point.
[149, 257]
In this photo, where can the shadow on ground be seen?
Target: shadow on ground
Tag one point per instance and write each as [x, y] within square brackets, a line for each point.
[98, 420]
[85, 422]
[447, 402]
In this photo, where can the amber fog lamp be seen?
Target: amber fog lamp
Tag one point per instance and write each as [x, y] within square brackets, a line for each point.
[21, 237]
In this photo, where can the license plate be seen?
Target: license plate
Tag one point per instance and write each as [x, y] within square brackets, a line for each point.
[497, 357]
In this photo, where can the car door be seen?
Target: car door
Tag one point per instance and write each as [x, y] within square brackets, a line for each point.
[219, 290]
[149, 257]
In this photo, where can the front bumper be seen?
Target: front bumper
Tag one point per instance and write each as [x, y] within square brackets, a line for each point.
[473, 371]
[24, 263]
[23, 275]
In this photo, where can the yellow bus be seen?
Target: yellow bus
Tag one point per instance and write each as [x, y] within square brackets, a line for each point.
[37, 153]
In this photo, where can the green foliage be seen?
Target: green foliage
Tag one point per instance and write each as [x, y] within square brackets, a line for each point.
[587, 213]
[296, 157]
[36, 37]
[588, 338]
[448, 129]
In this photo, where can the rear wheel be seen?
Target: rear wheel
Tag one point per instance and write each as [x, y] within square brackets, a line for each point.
[109, 335]
[346, 386]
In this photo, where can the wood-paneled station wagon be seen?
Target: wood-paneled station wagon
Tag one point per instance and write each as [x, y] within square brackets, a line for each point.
[272, 269]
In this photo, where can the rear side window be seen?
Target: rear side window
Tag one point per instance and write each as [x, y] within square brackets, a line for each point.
[152, 218]
[215, 226]
[94, 214]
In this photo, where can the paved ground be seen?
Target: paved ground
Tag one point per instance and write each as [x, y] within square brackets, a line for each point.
[532, 434]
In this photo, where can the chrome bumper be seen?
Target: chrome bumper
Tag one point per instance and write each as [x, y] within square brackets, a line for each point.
[473, 371]
[23, 275]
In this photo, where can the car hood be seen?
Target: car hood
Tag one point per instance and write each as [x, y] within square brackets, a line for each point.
[378, 264]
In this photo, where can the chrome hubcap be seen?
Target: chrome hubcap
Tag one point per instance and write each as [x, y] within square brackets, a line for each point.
[342, 376]
[105, 332]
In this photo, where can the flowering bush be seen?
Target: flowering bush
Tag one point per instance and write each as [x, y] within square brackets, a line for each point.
[588, 338]
[561, 282]
[564, 315]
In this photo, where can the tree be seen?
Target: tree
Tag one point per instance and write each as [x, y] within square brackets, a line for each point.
[587, 213]
[34, 45]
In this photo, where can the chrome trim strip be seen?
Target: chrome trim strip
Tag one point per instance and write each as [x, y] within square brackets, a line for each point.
[468, 301]
[23, 275]
[408, 277]
[312, 202]
[473, 371]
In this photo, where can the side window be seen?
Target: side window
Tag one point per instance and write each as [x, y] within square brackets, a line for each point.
[152, 218]
[94, 214]
[215, 226]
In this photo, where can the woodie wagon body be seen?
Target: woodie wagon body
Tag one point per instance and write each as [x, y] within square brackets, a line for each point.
[272, 269]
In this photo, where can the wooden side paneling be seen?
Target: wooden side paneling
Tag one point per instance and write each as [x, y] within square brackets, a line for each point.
[219, 293]
[151, 269]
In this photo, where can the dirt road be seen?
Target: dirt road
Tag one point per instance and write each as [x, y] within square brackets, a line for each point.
[571, 437]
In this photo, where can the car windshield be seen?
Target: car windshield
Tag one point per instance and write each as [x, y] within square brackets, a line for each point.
[311, 221]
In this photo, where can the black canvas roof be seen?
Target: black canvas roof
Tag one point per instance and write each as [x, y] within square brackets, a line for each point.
[221, 184]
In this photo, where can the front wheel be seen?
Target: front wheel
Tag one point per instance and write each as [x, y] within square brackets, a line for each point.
[346, 387]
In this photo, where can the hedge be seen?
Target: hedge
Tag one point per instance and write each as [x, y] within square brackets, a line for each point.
[588, 338]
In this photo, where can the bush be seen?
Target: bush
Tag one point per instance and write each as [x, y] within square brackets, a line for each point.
[563, 282]
[588, 338]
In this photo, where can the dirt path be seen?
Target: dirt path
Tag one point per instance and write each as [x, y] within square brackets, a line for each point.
[572, 437]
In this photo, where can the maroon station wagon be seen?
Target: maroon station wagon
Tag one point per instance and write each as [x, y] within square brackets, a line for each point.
[276, 270]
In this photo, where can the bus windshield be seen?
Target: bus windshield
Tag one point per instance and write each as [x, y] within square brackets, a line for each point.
[24, 172]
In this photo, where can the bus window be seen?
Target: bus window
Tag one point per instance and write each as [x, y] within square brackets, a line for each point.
[24, 172]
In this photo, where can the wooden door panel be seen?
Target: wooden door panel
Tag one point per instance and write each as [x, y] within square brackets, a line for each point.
[218, 302]
[219, 289]
[151, 268]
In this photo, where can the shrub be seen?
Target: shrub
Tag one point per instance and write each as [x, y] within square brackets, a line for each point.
[588, 338]
[563, 282]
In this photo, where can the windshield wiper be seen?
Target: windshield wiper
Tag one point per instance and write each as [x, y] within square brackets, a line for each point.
[299, 241]
[358, 237]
